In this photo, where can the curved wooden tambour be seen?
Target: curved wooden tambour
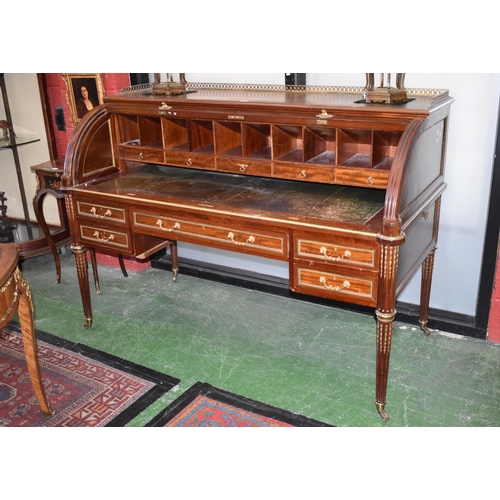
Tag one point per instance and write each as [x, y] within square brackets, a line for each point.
[90, 152]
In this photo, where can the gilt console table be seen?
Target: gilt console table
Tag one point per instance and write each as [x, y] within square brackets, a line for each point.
[347, 192]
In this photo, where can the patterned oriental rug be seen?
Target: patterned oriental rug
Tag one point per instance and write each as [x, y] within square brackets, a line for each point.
[206, 406]
[85, 387]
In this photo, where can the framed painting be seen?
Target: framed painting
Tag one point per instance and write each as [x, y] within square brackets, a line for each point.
[83, 92]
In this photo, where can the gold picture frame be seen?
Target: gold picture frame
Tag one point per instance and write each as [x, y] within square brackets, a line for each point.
[76, 86]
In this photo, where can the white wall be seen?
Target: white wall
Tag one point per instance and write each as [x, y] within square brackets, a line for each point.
[470, 155]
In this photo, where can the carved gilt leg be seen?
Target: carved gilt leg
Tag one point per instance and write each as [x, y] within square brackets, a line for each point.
[26, 320]
[386, 312]
[83, 280]
[425, 292]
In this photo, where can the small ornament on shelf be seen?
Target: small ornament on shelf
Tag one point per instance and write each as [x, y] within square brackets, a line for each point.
[384, 93]
[8, 130]
[170, 87]
[6, 227]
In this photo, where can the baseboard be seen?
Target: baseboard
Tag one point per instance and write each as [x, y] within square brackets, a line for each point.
[447, 321]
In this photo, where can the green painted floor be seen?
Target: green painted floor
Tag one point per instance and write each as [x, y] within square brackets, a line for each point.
[311, 359]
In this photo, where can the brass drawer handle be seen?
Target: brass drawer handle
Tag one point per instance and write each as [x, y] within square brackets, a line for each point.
[164, 106]
[243, 166]
[231, 236]
[111, 237]
[344, 285]
[141, 156]
[370, 181]
[346, 255]
[302, 174]
[107, 213]
[189, 162]
[159, 223]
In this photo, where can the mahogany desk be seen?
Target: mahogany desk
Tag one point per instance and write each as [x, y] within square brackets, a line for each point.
[347, 193]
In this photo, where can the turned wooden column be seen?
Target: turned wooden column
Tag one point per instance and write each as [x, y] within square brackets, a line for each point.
[81, 264]
[385, 313]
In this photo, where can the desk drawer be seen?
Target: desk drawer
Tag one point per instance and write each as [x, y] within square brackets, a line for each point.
[372, 178]
[346, 251]
[101, 212]
[343, 285]
[274, 245]
[244, 166]
[135, 153]
[104, 238]
[189, 159]
[303, 172]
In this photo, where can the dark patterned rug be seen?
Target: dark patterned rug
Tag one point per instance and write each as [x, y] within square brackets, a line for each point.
[85, 387]
[206, 406]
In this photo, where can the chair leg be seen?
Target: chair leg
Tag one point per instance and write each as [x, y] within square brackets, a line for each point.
[122, 265]
[174, 259]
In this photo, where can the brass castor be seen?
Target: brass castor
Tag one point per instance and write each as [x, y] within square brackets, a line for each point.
[175, 272]
[423, 327]
[383, 414]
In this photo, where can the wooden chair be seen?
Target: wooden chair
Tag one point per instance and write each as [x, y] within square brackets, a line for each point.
[15, 295]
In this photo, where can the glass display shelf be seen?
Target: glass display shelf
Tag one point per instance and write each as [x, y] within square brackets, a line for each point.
[10, 143]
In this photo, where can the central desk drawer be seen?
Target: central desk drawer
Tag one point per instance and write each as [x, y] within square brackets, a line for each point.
[101, 212]
[244, 166]
[274, 245]
[190, 159]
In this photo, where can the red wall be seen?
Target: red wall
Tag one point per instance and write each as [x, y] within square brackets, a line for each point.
[56, 88]
[494, 319]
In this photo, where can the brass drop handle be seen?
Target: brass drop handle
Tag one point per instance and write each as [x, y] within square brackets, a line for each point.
[189, 162]
[159, 223]
[346, 255]
[344, 285]
[369, 181]
[141, 155]
[231, 236]
[111, 237]
[107, 213]
[243, 166]
[302, 174]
